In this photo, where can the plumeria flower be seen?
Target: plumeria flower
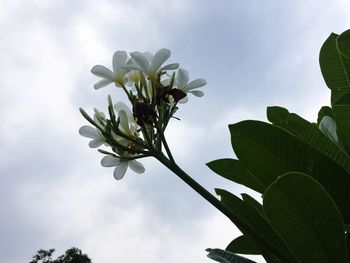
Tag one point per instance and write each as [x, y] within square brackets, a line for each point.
[133, 78]
[121, 165]
[117, 76]
[90, 132]
[150, 64]
[181, 82]
[127, 123]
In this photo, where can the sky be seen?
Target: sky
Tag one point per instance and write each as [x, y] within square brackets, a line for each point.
[54, 192]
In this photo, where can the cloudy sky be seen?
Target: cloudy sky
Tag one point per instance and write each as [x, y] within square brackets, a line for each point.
[55, 194]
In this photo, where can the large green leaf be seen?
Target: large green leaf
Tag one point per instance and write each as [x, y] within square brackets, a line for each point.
[304, 214]
[234, 170]
[243, 245]
[343, 43]
[223, 256]
[265, 236]
[342, 119]
[335, 68]
[312, 135]
[269, 151]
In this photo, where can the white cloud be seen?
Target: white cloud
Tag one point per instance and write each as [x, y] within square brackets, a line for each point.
[184, 140]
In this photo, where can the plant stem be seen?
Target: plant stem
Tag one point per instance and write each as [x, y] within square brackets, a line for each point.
[243, 226]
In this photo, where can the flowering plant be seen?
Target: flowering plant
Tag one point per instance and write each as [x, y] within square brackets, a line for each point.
[302, 169]
[154, 95]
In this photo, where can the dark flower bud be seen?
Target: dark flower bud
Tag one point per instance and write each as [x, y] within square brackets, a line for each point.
[177, 94]
[143, 113]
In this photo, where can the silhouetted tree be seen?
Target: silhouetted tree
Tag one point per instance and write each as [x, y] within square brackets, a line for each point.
[72, 255]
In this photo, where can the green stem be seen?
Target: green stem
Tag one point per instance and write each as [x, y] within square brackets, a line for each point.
[243, 226]
[165, 143]
[128, 94]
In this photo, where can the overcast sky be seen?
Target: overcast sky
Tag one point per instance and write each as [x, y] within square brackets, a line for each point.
[54, 192]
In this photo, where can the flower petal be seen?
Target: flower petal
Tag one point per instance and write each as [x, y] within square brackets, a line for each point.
[182, 78]
[119, 59]
[197, 83]
[197, 93]
[131, 67]
[171, 66]
[122, 106]
[159, 58]
[96, 143]
[120, 170]
[103, 72]
[102, 83]
[124, 121]
[140, 60]
[89, 132]
[149, 56]
[136, 166]
[110, 161]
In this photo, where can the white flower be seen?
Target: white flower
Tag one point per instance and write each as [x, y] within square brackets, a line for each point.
[122, 165]
[150, 64]
[90, 132]
[181, 82]
[128, 124]
[133, 78]
[118, 74]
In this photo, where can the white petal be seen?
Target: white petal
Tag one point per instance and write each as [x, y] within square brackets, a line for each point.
[197, 83]
[119, 59]
[149, 56]
[171, 66]
[140, 60]
[103, 72]
[89, 132]
[182, 78]
[136, 166]
[96, 143]
[131, 66]
[159, 58]
[110, 161]
[120, 170]
[166, 82]
[197, 93]
[102, 83]
[124, 121]
[122, 106]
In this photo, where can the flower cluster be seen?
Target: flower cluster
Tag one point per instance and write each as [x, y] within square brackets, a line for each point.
[154, 91]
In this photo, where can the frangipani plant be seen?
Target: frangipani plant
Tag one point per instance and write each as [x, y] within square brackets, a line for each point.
[302, 169]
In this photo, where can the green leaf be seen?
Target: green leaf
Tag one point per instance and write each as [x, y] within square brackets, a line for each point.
[342, 119]
[248, 212]
[324, 111]
[233, 170]
[223, 256]
[304, 214]
[277, 115]
[269, 151]
[343, 43]
[335, 67]
[243, 245]
[329, 128]
[323, 139]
